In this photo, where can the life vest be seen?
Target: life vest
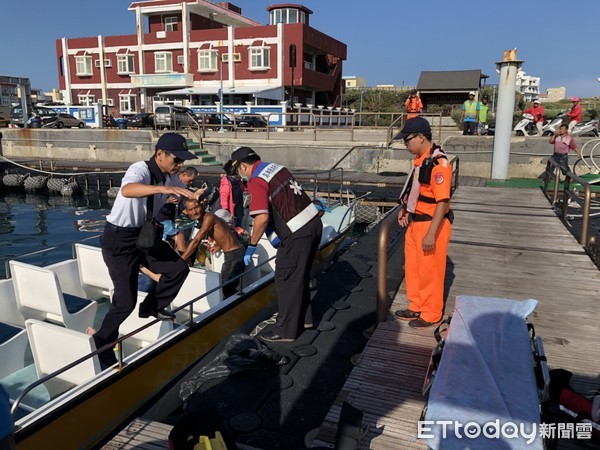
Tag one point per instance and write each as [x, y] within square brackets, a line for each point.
[413, 105]
[289, 206]
[470, 109]
[411, 193]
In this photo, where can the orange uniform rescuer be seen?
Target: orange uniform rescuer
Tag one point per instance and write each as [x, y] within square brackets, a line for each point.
[426, 212]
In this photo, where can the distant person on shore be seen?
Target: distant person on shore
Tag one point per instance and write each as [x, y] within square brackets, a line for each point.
[537, 111]
[469, 115]
[563, 143]
[483, 115]
[413, 105]
[158, 178]
[574, 114]
[426, 212]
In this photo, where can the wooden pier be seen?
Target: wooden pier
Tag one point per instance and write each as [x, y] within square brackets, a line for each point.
[505, 243]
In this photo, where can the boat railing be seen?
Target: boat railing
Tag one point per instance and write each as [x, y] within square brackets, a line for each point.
[119, 342]
[383, 246]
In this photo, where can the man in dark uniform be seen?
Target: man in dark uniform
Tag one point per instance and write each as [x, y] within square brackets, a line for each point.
[157, 177]
[279, 202]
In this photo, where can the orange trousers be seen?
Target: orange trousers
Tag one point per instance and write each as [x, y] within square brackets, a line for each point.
[425, 272]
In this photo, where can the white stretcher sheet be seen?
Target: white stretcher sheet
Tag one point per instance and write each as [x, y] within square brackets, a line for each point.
[486, 377]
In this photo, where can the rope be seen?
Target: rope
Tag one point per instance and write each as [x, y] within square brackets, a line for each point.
[66, 174]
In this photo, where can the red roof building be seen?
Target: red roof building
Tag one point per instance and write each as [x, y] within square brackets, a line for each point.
[187, 49]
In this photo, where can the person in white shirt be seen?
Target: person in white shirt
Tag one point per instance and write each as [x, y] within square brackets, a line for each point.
[156, 177]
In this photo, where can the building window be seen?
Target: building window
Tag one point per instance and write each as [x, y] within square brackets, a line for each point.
[83, 65]
[86, 99]
[127, 104]
[259, 58]
[207, 60]
[171, 23]
[163, 62]
[125, 64]
[286, 15]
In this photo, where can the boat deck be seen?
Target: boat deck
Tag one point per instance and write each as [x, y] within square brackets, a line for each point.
[503, 245]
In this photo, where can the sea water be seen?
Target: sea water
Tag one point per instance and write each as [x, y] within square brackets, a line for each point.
[47, 225]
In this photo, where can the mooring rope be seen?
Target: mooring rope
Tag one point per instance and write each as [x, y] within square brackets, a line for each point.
[64, 174]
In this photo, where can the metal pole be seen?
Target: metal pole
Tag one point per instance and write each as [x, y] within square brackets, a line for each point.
[221, 130]
[360, 108]
[506, 105]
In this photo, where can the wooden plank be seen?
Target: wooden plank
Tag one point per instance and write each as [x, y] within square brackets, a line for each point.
[143, 435]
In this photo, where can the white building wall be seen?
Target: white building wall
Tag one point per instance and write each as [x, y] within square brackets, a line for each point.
[528, 86]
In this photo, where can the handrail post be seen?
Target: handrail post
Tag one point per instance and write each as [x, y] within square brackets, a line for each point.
[583, 240]
[556, 183]
[382, 257]
[565, 204]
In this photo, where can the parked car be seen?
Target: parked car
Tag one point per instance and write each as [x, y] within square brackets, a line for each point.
[174, 117]
[213, 121]
[251, 121]
[16, 114]
[141, 120]
[62, 120]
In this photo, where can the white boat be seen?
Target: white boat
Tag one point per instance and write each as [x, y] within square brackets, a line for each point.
[60, 396]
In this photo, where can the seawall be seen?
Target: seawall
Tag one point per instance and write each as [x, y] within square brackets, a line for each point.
[527, 160]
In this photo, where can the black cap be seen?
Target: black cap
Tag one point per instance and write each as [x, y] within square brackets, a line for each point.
[175, 144]
[412, 126]
[239, 155]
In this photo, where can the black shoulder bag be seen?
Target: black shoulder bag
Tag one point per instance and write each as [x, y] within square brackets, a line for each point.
[151, 232]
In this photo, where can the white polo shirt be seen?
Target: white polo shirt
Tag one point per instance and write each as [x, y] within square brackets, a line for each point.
[131, 212]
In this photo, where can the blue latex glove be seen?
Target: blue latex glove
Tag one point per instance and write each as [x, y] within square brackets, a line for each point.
[248, 255]
[272, 236]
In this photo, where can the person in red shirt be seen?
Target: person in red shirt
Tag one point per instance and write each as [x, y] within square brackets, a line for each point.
[574, 114]
[563, 143]
[537, 111]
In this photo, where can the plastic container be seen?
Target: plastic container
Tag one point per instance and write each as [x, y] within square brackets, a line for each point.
[121, 123]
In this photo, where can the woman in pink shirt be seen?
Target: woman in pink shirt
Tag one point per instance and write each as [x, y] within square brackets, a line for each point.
[563, 143]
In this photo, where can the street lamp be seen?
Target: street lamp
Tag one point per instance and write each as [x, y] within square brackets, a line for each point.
[221, 130]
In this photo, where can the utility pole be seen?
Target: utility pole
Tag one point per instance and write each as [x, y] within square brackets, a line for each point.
[292, 66]
[221, 130]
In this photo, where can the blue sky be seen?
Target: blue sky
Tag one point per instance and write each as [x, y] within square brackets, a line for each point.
[389, 41]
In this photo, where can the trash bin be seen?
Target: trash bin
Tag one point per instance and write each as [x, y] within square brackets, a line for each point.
[121, 123]
[36, 122]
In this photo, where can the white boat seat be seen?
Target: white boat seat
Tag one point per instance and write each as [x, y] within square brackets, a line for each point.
[54, 347]
[9, 310]
[198, 282]
[13, 342]
[144, 337]
[93, 271]
[39, 296]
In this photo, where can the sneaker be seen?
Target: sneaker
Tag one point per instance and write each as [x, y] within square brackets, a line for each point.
[407, 314]
[420, 323]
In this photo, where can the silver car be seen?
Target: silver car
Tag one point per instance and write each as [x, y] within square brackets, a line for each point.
[62, 120]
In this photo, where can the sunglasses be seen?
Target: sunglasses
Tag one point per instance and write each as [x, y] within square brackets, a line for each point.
[408, 139]
[176, 160]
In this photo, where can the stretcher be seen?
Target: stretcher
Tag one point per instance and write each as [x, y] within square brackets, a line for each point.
[487, 377]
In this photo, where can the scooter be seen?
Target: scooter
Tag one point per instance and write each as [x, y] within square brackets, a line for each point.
[551, 127]
[526, 126]
[589, 128]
